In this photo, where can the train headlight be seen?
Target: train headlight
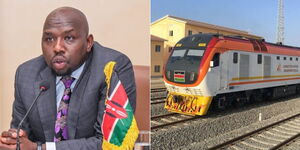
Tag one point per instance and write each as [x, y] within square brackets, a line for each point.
[192, 76]
[168, 74]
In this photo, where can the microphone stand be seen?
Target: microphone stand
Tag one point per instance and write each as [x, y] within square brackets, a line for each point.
[42, 88]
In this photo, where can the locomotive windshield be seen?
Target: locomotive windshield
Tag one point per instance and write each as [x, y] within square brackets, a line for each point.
[184, 62]
[188, 54]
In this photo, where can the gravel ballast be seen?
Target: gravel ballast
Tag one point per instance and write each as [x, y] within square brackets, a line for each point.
[158, 109]
[216, 128]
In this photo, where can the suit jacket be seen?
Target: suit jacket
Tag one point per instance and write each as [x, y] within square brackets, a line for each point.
[86, 106]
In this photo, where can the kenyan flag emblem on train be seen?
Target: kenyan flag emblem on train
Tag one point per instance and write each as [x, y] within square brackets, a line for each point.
[179, 76]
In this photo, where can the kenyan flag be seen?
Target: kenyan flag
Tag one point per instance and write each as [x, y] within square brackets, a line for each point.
[119, 127]
[179, 76]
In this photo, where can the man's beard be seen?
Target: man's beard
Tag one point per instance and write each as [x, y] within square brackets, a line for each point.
[62, 73]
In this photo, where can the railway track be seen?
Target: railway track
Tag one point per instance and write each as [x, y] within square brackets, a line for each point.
[158, 101]
[158, 95]
[165, 120]
[158, 90]
[271, 137]
[158, 98]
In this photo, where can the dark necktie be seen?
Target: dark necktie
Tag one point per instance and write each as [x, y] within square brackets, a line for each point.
[61, 128]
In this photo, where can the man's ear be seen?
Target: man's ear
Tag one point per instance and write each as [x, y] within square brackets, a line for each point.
[90, 42]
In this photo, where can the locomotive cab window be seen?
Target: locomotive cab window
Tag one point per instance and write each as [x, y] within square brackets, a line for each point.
[278, 57]
[179, 53]
[259, 59]
[216, 60]
[190, 55]
[194, 52]
[235, 58]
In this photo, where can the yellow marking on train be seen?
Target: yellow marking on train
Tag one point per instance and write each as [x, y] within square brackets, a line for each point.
[202, 44]
[262, 81]
[189, 105]
[178, 45]
[264, 77]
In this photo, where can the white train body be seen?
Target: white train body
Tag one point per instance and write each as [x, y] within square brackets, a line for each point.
[229, 65]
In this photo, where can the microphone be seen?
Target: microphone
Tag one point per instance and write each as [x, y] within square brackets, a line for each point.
[44, 86]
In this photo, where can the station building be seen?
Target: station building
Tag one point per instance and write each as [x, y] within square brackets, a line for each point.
[168, 30]
[157, 54]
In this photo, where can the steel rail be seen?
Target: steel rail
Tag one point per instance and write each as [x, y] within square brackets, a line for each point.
[239, 138]
[157, 102]
[156, 98]
[175, 122]
[158, 90]
[164, 115]
[285, 142]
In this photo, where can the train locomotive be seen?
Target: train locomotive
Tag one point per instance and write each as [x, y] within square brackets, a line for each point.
[212, 69]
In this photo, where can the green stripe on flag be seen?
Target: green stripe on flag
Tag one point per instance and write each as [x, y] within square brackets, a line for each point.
[179, 79]
[122, 125]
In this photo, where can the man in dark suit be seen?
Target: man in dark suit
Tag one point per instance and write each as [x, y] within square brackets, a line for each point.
[68, 50]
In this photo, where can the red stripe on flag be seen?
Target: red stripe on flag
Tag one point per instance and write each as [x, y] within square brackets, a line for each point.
[178, 76]
[107, 125]
[119, 96]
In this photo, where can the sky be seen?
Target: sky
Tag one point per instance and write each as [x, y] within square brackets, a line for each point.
[258, 17]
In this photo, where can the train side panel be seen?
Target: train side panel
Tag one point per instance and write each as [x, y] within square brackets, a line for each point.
[258, 70]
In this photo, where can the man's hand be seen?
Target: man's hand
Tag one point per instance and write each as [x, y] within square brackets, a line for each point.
[4, 146]
[10, 136]
[9, 140]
